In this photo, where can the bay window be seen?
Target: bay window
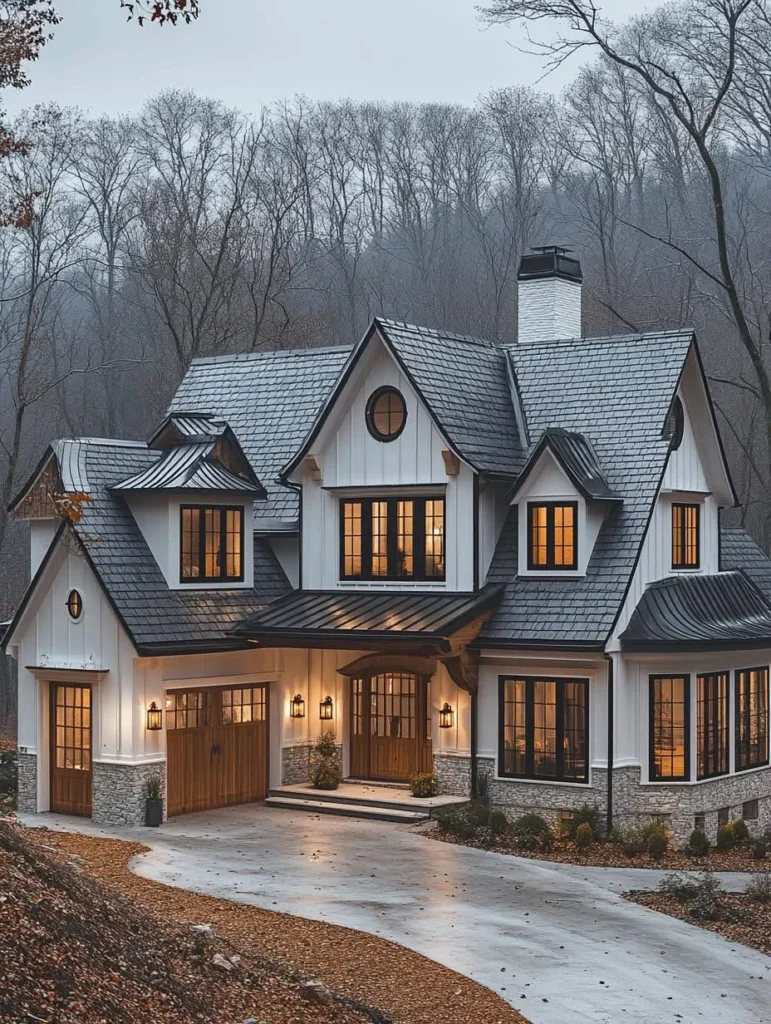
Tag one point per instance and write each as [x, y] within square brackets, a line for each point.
[544, 729]
[211, 543]
[392, 539]
[751, 718]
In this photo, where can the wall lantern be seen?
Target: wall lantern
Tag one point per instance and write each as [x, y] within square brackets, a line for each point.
[446, 717]
[297, 706]
[75, 604]
[154, 717]
[325, 708]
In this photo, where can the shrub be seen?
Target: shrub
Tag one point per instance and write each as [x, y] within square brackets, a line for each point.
[9, 777]
[584, 836]
[680, 887]
[585, 815]
[531, 832]
[632, 841]
[325, 774]
[325, 747]
[464, 820]
[759, 888]
[698, 844]
[759, 850]
[740, 831]
[657, 845]
[725, 838]
[424, 784]
[705, 903]
[498, 823]
[153, 787]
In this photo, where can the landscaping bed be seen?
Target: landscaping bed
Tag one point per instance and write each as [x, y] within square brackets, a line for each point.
[738, 917]
[582, 842]
[406, 987]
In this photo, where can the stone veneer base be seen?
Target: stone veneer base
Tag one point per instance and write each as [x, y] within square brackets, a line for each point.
[453, 773]
[119, 792]
[297, 763]
[26, 800]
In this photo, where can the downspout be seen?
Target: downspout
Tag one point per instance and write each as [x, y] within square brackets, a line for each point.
[474, 779]
[609, 819]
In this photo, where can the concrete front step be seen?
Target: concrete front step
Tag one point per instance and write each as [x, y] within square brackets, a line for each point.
[331, 796]
[344, 808]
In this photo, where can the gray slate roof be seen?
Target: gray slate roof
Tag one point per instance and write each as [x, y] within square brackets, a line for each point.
[189, 467]
[739, 551]
[576, 454]
[155, 617]
[617, 393]
[720, 610]
[269, 400]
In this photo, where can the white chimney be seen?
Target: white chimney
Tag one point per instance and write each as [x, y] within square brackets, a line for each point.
[549, 295]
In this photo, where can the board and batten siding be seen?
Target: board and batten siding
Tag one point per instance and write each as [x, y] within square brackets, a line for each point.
[353, 462]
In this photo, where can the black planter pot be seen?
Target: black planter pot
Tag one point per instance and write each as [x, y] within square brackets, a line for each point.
[153, 812]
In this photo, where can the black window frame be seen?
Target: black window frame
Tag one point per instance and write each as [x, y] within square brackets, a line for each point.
[683, 544]
[529, 772]
[652, 680]
[712, 729]
[740, 765]
[418, 539]
[202, 510]
[369, 414]
[550, 565]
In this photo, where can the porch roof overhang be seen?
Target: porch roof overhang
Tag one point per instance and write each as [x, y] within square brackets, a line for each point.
[417, 622]
[719, 611]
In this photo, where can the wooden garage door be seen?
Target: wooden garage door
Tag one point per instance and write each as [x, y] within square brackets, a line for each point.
[216, 747]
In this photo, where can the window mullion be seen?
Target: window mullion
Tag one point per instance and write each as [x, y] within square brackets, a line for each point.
[391, 540]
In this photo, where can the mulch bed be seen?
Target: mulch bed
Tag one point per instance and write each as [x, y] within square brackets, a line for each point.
[406, 986]
[742, 920]
[611, 855]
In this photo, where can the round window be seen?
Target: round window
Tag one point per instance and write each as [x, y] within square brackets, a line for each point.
[675, 425]
[386, 414]
[74, 604]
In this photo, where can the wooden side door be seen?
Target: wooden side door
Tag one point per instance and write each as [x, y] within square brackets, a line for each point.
[71, 749]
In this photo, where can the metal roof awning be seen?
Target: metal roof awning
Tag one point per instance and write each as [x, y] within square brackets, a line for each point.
[720, 611]
[407, 621]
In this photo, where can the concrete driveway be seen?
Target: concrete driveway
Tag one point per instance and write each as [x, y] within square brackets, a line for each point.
[556, 941]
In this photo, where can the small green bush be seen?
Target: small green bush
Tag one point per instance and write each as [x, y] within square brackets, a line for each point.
[463, 820]
[586, 815]
[584, 836]
[759, 850]
[680, 887]
[698, 844]
[325, 746]
[725, 838]
[153, 786]
[657, 845]
[531, 832]
[759, 888]
[325, 774]
[498, 824]
[740, 831]
[424, 784]
[9, 778]
[705, 904]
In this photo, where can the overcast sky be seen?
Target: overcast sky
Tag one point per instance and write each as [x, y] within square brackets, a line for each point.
[251, 52]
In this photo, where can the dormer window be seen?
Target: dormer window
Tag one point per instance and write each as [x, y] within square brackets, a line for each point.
[212, 544]
[552, 536]
[386, 414]
[392, 539]
[685, 536]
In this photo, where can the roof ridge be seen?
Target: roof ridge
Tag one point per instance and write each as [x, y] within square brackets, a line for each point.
[437, 332]
[234, 357]
[112, 442]
[672, 332]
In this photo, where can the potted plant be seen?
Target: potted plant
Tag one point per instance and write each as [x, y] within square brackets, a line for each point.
[153, 802]
[326, 770]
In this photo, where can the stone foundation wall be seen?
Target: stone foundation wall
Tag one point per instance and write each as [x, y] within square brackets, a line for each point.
[119, 792]
[516, 797]
[453, 773]
[679, 804]
[26, 801]
[296, 764]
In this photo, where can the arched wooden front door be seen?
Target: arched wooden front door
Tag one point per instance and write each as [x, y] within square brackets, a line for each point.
[390, 726]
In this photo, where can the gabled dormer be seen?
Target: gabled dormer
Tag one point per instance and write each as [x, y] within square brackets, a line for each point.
[194, 504]
[562, 497]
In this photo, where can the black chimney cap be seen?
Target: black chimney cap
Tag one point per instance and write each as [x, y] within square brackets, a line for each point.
[549, 261]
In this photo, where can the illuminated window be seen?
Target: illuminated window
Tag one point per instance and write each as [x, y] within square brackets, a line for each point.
[188, 709]
[211, 543]
[711, 725]
[685, 536]
[751, 718]
[552, 539]
[669, 728]
[246, 704]
[544, 728]
[392, 538]
[386, 414]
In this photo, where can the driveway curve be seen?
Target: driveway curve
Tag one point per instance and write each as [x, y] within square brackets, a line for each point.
[557, 942]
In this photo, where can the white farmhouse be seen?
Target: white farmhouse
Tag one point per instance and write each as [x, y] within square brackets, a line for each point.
[502, 563]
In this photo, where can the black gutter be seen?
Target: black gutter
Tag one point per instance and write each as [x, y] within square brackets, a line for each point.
[611, 743]
[485, 643]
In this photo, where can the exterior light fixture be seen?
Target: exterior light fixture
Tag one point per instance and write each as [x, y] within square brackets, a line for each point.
[154, 718]
[325, 708]
[74, 604]
[446, 716]
[297, 706]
